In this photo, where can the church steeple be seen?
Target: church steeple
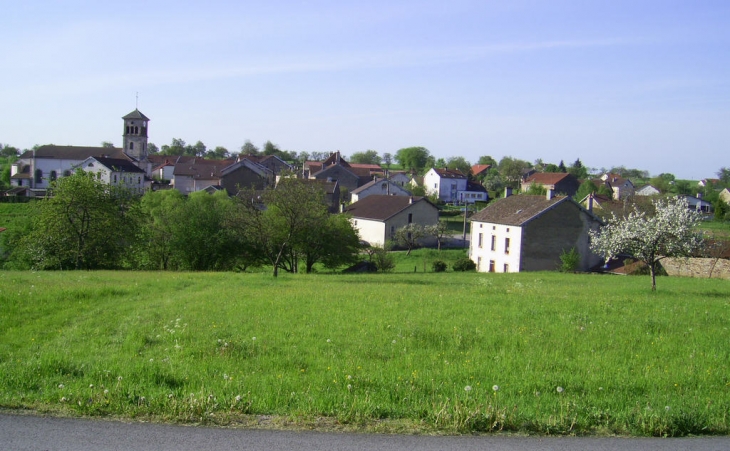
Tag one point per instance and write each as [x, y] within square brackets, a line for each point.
[135, 135]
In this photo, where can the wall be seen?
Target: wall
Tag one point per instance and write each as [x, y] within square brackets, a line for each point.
[483, 255]
[697, 267]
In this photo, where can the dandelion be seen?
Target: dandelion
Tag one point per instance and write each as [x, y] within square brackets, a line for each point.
[467, 388]
[63, 399]
[393, 342]
[349, 387]
[329, 341]
[253, 338]
[349, 377]
[495, 387]
[169, 396]
[60, 385]
[119, 378]
[238, 398]
[560, 389]
[667, 408]
[91, 385]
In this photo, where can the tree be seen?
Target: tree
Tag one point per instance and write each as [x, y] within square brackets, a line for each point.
[459, 163]
[161, 211]
[176, 147]
[107, 144]
[248, 148]
[8, 151]
[724, 175]
[367, 157]
[83, 224]
[585, 188]
[536, 190]
[152, 149]
[511, 170]
[387, 159]
[438, 231]
[219, 153]
[562, 168]
[412, 158]
[670, 232]
[486, 159]
[578, 170]
[408, 236]
[333, 242]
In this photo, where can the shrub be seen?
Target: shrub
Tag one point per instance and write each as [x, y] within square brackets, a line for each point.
[383, 259]
[569, 260]
[464, 264]
[438, 266]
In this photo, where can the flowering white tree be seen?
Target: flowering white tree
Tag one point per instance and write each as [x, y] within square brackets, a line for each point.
[670, 232]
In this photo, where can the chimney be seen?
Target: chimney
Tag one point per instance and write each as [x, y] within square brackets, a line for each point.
[410, 200]
[550, 194]
[507, 192]
[590, 202]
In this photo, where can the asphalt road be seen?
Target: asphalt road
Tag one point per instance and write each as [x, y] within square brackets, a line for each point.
[33, 433]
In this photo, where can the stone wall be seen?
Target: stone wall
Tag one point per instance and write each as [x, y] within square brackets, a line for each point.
[697, 267]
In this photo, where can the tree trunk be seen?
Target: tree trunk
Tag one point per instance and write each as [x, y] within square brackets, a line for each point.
[652, 270]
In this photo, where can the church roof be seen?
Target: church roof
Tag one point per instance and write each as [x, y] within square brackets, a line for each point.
[136, 114]
[73, 152]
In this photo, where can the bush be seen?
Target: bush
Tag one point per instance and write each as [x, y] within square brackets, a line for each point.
[383, 259]
[438, 266]
[569, 260]
[464, 264]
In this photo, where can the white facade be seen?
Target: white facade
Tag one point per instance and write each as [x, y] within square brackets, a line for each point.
[382, 186]
[495, 247]
[446, 188]
[133, 181]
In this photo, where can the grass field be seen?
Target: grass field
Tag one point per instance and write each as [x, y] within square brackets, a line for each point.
[450, 352]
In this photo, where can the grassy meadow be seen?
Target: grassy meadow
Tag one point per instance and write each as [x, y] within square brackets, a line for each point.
[544, 353]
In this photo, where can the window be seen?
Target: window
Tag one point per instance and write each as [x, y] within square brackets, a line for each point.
[115, 178]
[435, 186]
[131, 146]
[479, 263]
[480, 240]
[53, 175]
[38, 176]
[506, 267]
[494, 243]
[410, 218]
[392, 231]
[491, 265]
[506, 245]
[66, 173]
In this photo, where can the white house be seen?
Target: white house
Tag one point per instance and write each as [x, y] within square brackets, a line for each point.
[117, 172]
[378, 186]
[530, 233]
[377, 217]
[474, 192]
[445, 183]
[647, 190]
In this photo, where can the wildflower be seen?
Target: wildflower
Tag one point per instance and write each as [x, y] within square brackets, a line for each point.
[349, 377]
[667, 408]
[91, 385]
[119, 378]
[106, 391]
[495, 387]
[467, 388]
[63, 399]
[560, 389]
[329, 341]
[349, 387]
[238, 398]
[60, 385]
[253, 338]
[393, 341]
[170, 396]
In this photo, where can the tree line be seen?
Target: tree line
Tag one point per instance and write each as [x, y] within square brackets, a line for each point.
[87, 224]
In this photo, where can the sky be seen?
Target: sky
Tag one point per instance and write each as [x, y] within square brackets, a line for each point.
[640, 84]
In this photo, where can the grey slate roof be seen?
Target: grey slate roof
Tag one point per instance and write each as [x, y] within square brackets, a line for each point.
[381, 207]
[136, 114]
[119, 165]
[517, 210]
[74, 152]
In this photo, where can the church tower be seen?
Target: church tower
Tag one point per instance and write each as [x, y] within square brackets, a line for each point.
[135, 135]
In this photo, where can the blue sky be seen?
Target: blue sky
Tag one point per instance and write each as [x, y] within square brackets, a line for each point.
[644, 84]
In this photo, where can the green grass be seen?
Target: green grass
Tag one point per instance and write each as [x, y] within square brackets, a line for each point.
[383, 352]
[14, 215]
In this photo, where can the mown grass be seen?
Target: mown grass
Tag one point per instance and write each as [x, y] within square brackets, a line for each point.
[570, 354]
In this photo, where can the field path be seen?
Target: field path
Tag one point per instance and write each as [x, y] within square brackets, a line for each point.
[26, 433]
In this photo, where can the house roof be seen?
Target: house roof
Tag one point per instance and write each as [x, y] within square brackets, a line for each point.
[200, 168]
[118, 165]
[475, 187]
[547, 178]
[380, 207]
[517, 210]
[136, 114]
[73, 152]
[374, 182]
[447, 173]
[479, 168]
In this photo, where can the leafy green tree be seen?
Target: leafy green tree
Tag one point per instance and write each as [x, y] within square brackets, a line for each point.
[578, 170]
[660, 183]
[551, 167]
[459, 163]
[107, 144]
[438, 231]
[333, 242]
[176, 147]
[721, 210]
[412, 158]
[367, 157]
[486, 159]
[536, 190]
[248, 148]
[152, 149]
[161, 210]
[387, 159]
[84, 224]
[511, 170]
[585, 189]
[562, 168]
[271, 149]
[724, 175]
[670, 232]
[219, 153]
[8, 151]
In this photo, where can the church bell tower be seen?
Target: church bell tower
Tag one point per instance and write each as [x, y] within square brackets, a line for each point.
[135, 135]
